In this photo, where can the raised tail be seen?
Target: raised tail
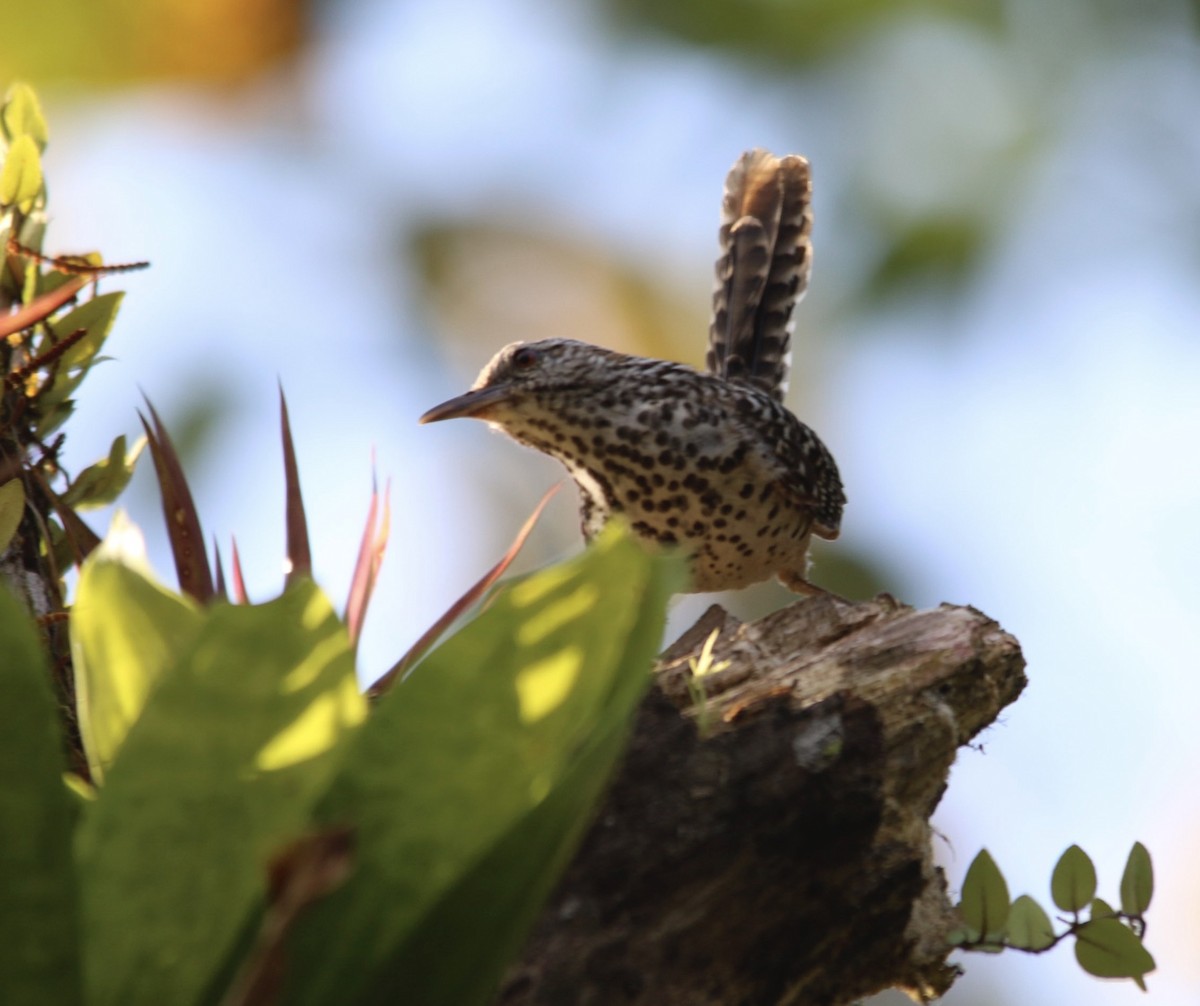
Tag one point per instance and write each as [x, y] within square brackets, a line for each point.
[766, 257]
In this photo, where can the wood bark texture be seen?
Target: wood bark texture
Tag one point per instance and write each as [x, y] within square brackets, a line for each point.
[771, 844]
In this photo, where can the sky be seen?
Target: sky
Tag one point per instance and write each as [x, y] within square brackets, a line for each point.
[1024, 443]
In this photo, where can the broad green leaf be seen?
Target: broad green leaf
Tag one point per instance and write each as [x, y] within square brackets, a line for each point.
[1107, 949]
[21, 176]
[985, 902]
[22, 116]
[12, 508]
[1137, 882]
[1100, 909]
[1029, 926]
[53, 402]
[1073, 883]
[96, 317]
[472, 782]
[126, 630]
[39, 913]
[221, 769]
[101, 483]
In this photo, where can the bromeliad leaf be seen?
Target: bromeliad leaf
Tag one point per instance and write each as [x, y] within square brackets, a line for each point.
[126, 629]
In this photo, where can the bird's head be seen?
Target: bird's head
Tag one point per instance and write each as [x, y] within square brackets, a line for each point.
[525, 376]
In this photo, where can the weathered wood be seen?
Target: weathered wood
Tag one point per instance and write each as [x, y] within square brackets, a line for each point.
[780, 853]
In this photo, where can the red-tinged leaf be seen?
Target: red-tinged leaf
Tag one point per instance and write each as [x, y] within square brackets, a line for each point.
[40, 309]
[299, 554]
[435, 631]
[179, 512]
[82, 539]
[239, 582]
[305, 871]
[370, 558]
[219, 572]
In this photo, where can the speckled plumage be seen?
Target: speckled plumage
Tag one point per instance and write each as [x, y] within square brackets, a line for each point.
[712, 462]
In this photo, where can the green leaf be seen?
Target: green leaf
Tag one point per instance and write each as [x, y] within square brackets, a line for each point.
[1107, 949]
[101, 483]
[39, 924]
[22, 116]
[985, 902]
[221, 770]
[12, 509]
[473, 781]
[52, 402]
[1137, 882]
[1029, 926]
[96, 317]
[1073, 883]
[126, 630]
[21, 176]
[1101, 909]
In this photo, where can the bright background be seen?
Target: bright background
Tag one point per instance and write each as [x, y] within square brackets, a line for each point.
[365, 199]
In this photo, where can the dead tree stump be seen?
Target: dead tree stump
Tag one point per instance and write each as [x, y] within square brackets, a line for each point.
[771, 843]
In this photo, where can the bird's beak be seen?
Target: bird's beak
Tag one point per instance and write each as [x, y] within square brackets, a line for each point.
[474, 404]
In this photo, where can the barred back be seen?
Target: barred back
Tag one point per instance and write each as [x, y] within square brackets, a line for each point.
[766, 256]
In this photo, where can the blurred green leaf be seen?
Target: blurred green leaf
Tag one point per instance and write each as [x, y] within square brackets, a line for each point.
[791, 33]
[101, 483]
[126, 630]
[1107, 949]
[22, 116]
[12, 508]
[96, 317]
[1137, 882]
[1029, 926]
[985, 903]
[21, 176]
[1073, 883]
[472, 781]
[1101, 909]
[931, 249]
[39, 924]
[220, 770]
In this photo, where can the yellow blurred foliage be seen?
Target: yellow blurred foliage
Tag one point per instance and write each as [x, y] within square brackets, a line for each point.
[111, 42]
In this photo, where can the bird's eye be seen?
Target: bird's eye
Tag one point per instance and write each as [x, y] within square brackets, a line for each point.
[524, 358]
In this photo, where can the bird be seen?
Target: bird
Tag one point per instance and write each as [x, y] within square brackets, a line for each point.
[711, 462]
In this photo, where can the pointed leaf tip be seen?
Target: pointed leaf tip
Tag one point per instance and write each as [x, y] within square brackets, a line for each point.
[1107, 949]
[299, 553]
[1073, 883]
[1137, 882]
[179, 512]
[985, 901]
